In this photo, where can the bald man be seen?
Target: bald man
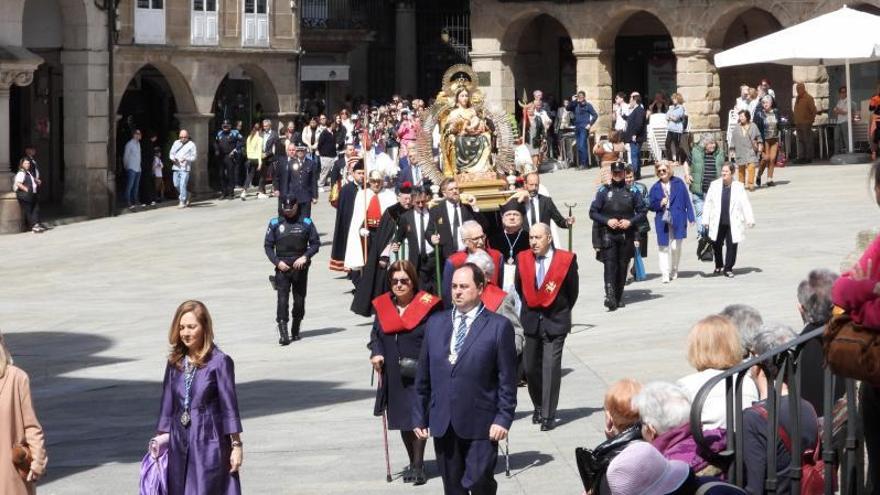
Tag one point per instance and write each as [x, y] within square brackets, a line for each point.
[183, 154]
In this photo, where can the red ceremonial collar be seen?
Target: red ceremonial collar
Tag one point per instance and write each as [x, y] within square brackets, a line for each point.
[492, 297]
[459, 258]
[394, 322]
[546, 295]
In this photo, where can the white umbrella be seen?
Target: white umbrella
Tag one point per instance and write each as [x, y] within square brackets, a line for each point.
[808, 43]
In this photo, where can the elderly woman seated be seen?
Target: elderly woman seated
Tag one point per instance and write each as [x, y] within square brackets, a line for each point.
[621, 427]
[713, 346]
[665, 411]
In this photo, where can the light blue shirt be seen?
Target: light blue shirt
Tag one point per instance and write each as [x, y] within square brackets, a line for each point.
[675, 118]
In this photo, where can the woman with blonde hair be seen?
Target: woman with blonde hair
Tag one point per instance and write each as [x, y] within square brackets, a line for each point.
[713, 347]
[199, 408]
[676, 118]
[23, 456]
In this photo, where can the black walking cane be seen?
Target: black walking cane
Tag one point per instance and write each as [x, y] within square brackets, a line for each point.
[507, 456]
[385, 438]
[570, 227]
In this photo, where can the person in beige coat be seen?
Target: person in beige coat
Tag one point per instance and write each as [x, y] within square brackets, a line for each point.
[18, 425]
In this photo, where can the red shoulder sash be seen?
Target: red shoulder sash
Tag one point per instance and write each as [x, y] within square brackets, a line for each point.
[492, 297]
[546, 295]
[457, 259]
[393, 322]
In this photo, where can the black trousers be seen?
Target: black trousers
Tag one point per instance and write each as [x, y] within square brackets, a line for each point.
[674, 149]
[296, 282]
[466, 466]
[724, 239]
[870, 413]
[30, 210]
[542, 357]
[615, 258]
[228, 174]
[250, 167]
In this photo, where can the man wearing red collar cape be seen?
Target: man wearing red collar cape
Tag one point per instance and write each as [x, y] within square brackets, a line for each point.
[547, 282]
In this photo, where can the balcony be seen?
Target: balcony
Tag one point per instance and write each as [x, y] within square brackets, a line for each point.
[341, 14]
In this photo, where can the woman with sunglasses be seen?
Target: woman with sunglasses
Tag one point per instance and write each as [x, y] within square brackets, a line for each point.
[670, 200]
[395, 345]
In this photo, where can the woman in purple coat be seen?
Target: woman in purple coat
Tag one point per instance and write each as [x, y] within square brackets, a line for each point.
[670, 200]
[200, 409]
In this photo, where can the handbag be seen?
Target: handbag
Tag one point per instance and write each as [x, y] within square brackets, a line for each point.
[409, 367]
[639, 267]
[334, 194]
[851, 350]
[781, 159]
[22, 459]
[667, 217]
[704, 249]
[25, 196]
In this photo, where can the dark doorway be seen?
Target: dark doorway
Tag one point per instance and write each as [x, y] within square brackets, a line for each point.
[643, 57]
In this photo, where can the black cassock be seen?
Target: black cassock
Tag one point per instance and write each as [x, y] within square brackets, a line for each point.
[344, 211]
[372, 282]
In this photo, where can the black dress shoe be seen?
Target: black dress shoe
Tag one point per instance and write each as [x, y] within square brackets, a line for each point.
[620, 303]
[419, 476]
[548, 424]
[536, 417]
[408, 474]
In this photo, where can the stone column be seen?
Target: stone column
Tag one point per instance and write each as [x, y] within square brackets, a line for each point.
[496, 78]
[815, 78]
[196, 124]
[594, 69]
[10, 212]
[700, 87]
[405, 63]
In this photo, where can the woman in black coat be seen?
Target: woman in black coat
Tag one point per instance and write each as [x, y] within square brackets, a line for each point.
[395, 345]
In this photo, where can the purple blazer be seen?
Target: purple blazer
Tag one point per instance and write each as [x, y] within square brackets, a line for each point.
[679, 444]
[198, 455]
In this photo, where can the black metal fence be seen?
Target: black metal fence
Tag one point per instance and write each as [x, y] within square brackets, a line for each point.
[843, 457]
[341, 14]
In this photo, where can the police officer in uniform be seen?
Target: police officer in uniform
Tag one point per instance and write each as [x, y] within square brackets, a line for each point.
[228, 150]
[291, 242]
[617, 211]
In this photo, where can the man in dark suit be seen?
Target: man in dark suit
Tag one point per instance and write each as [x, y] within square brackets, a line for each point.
[412, 241]
[547, 282]
[447, 217]
[540, 208]
[270, 141]
[636, 132]
[466, 386]
[409, 171]
[298, 179]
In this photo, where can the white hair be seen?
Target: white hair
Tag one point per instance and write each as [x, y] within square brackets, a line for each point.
[483, 261]
[663, 406]
[470, 226]
[747, 321]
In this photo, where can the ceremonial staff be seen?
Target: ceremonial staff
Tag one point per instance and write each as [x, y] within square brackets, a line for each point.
[570, 227]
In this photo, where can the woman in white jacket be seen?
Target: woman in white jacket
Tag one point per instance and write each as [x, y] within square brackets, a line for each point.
[726, 213]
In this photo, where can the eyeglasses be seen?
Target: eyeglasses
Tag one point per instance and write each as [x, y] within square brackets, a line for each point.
[400, 281]
[473, 239]
[661, 171]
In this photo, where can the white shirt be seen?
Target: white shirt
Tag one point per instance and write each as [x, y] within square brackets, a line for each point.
[715, 407]
[182, 155]
[450, 212]
[20, 177]
[131, 157]
[421, 219]
[157, 166]
[470, 316]
[841, 105]
[533, 210]
[548, 258]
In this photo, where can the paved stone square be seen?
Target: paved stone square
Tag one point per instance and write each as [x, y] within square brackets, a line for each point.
[86, 309]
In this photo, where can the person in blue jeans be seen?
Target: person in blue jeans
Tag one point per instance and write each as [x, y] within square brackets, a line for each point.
[634, 135]
[584, 118]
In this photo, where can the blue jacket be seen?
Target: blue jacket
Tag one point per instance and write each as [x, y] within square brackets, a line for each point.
[679, 206]
[584, 113]
[300, 184]
[479, 390]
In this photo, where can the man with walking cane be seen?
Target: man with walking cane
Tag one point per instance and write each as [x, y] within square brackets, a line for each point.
[468, 353]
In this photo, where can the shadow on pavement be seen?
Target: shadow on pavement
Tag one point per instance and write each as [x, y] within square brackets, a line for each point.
[320, 331]
[565, 416]
[520, 461]
[631, 296]
[90, 421]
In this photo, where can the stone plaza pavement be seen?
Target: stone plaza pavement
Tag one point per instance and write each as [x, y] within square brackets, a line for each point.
[86, 309]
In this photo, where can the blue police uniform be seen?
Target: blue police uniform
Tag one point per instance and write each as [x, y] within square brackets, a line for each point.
[287, 240]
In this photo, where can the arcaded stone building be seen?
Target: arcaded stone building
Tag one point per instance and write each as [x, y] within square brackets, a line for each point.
[602, 47]
[75, 78]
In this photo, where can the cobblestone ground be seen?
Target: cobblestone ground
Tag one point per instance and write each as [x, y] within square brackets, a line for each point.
[87, 307]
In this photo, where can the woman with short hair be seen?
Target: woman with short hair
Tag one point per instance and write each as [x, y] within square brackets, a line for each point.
[712, 348]
[395, 348]
[199, 408]
[726, 214]
[665, 410]
[20, 430]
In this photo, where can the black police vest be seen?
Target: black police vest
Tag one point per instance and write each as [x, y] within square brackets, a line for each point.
[292, 239]
[618, 203]
[226, 143]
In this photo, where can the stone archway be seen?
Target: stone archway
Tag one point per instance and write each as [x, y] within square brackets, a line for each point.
[741, 26]
[644, 57]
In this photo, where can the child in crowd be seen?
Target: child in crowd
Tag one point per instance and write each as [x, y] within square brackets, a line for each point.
[158, 175]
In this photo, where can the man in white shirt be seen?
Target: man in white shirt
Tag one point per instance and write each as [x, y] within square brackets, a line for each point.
[839, 114]
[182, 155]
[131, 159]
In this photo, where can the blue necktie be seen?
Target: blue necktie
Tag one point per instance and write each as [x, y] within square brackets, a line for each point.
[460, 334]
[541, 272]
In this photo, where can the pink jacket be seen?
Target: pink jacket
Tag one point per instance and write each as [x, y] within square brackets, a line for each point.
[679, 444]
[857, 297]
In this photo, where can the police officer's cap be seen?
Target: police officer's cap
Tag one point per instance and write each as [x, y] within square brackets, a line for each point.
[226, 123]
[618, 167]
[288, 204]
